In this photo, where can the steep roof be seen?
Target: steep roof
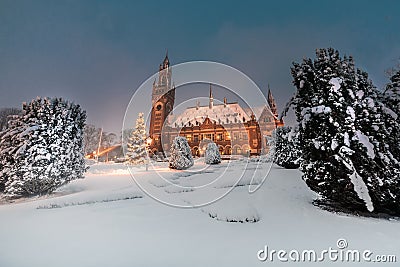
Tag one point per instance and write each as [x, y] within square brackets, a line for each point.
[224, 114]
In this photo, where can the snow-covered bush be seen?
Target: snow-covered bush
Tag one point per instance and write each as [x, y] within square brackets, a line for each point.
[180, 155]
[287, 150]
[270, 156]
[343, 133]
[212, 154]
[137, 143]
[42, 149]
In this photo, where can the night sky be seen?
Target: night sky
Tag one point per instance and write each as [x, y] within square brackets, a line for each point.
[96, 53]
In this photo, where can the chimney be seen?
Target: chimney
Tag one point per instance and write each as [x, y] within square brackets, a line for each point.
[225, 102]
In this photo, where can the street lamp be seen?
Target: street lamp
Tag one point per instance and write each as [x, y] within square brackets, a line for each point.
[148, 143]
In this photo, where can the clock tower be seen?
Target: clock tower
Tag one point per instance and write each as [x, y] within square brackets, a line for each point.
[162, 100]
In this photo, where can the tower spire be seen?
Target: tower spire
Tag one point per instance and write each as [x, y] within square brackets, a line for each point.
[271, 102]
[165, 63]
[211, 104]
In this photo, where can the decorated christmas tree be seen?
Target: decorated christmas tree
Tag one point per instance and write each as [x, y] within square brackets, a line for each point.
[137, 143]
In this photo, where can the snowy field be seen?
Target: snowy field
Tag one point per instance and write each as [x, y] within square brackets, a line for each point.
[106, 220]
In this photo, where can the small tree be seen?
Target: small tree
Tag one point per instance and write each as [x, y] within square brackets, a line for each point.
[137, 143]
[271, 142]
[91, 138]
[287, 149]
[212, 154]
[181, 157]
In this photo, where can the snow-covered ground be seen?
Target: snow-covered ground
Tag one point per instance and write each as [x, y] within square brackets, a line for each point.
[106, 220]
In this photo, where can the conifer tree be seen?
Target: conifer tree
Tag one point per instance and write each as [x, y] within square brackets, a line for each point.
[271, 142]
[391, 100]
[137, 143]
[43, 148]
[212, 155]
[180, 155]
[343, 135]
[287, 150]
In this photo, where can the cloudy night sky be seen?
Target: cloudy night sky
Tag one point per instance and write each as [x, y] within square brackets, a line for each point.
[97, 53]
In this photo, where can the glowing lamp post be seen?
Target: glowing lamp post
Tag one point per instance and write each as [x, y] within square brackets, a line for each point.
[148, 143]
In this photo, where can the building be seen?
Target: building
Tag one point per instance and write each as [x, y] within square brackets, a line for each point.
[236, 130]
[162, 100]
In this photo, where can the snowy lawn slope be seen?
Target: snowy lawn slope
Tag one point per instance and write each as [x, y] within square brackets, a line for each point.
[106, 220]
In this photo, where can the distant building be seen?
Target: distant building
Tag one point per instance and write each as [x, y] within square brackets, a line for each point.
[236, 130]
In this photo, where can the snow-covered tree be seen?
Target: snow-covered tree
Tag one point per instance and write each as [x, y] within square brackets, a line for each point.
[108, 139]
[5, 115]
[91, 138]
[137, 153]
[287, 149]
[391, 99]
[271, 142]
[10, 143]
[212, 155]
[342, 134]
[180, 155]
[43, 148]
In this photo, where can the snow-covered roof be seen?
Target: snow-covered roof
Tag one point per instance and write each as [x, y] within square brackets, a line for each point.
[224, 114]
[221, 113]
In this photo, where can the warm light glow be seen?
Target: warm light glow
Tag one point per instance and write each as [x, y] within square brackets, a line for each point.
[149, 140]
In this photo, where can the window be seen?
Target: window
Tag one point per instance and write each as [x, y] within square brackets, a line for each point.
[189, 138]
[196, 138]
[228, 137]
[219, 137]
[255, 142]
